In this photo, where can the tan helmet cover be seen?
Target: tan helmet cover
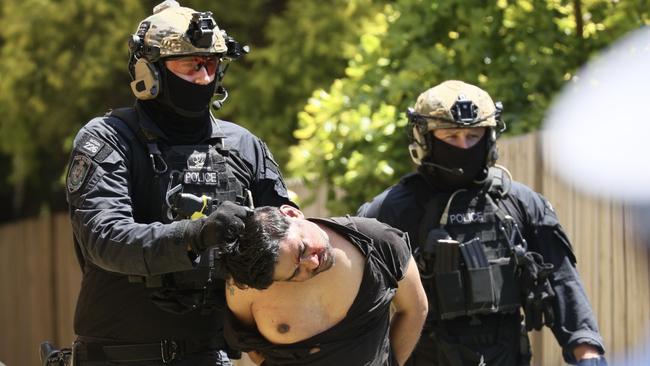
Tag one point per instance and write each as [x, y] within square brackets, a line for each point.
[436, 104]
[435, 107]
[168, 32]
[165, 34]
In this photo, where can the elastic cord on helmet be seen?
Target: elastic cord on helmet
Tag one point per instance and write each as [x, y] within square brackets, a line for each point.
[419, 122]
[415, 117]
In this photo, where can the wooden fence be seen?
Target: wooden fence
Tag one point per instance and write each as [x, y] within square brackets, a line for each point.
[40, 278]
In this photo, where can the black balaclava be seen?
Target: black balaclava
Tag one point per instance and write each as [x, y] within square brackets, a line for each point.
[182, 109]
[187, 98]
[472, 161]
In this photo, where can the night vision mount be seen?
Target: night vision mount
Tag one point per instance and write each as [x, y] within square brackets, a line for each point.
[464, 113]
[201, 29]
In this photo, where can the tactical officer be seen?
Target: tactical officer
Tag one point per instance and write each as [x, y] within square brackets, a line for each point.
[487, 247]
[154, 191]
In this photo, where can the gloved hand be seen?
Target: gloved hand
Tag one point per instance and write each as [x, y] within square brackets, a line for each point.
[538, 293]
[597, 361]
[221, 227]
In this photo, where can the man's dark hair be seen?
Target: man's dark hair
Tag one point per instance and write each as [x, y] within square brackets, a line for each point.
[250, 261]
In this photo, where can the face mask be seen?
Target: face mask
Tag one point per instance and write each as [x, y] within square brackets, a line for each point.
[186, 98]
[471, 161]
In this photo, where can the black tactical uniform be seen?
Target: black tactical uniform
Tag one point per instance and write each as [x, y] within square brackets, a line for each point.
[140, 283]
[154, 191]
[486, 247]
[484, 326]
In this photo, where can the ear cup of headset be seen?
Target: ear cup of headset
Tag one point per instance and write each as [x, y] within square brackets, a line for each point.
[492, 147]
[146, 80]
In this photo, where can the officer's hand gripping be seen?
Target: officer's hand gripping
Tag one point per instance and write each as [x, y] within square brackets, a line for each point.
[219, 228]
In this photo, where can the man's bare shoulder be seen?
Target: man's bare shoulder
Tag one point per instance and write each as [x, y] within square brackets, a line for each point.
[240, 302]
[288, 312]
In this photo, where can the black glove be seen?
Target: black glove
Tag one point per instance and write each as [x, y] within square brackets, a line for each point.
[221, 227]
[598, 361]
[538, 294]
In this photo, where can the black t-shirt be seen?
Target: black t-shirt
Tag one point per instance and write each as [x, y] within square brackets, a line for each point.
[114, 198]
[361, 338]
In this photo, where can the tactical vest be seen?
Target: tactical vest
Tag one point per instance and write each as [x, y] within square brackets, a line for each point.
[201, 171]
[469, 254]
[188, 172]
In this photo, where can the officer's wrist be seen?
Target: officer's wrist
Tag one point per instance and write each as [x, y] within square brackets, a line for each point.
[192, 235]
[593, 361]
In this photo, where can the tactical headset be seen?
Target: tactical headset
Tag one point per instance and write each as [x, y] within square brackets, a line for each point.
[203, 34]
[463, 113]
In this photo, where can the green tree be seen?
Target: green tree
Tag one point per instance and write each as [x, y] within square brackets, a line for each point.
[305, 46]
[65, 62]
[59, 61]
[352, 135]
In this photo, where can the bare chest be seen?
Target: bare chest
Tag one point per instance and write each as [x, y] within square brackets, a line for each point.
[292, 312]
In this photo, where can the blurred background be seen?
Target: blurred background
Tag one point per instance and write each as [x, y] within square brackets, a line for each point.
[326, 85]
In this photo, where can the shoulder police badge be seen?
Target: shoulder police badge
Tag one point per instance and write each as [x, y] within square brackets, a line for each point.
[79, 169]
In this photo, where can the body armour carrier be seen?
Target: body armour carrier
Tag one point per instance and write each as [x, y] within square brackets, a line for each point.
[468, 260]
[193, 181]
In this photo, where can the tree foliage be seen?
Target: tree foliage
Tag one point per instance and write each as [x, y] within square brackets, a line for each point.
[352, 135]
[361, 61]
[307, 46]
[57, 59]
[64, 62]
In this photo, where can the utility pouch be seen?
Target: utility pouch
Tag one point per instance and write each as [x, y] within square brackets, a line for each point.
[451, 299]
[480, 285]
[507, 285]
[448, 280]
[480, 290]
[425, 252]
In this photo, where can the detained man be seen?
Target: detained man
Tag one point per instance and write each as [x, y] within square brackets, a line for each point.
[319, 291]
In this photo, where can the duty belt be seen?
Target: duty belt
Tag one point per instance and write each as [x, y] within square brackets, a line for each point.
[166, 350]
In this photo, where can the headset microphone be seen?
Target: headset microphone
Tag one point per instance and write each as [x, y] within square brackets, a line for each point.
[221, 91]
[454, 171]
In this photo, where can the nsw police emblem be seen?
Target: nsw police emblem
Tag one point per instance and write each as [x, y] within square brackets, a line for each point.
[78, 171]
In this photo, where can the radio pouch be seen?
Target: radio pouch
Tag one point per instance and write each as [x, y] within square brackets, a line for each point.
[448, 279]
[480, 285]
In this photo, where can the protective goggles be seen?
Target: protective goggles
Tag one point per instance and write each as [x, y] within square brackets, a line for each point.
[190, 65]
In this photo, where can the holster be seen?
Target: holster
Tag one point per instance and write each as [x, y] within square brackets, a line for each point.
[52, 356]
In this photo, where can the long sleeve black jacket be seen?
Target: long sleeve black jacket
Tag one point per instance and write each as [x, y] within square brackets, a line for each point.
[120, 229]
[403, 206]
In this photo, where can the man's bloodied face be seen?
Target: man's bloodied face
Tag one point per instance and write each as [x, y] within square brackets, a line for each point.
[304, 253]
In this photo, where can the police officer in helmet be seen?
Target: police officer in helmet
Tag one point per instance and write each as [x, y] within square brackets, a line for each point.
[492, 255]
[154, 191]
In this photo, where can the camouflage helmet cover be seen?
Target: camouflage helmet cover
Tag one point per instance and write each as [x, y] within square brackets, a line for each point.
[438, 105]
[167, 31]
[452, 104]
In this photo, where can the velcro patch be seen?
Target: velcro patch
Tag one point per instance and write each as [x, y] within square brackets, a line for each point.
[79, 168]
[90, 145]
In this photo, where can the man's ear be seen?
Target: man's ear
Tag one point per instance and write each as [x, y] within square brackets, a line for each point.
[290, 211]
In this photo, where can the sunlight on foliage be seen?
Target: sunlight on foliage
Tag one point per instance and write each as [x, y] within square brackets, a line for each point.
[521, 52]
